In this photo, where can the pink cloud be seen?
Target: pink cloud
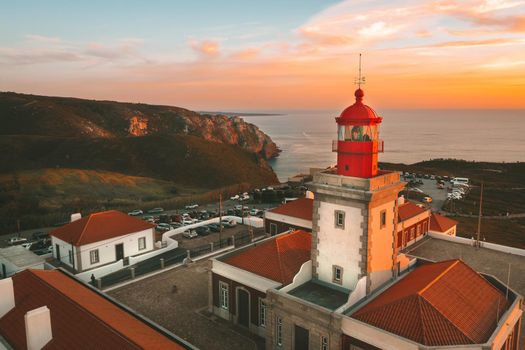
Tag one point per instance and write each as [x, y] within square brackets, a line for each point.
[206, 48]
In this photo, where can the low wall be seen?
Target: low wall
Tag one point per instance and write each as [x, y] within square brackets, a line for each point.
[138, 258]
[487, 245]
[304, 275]
[100, 271]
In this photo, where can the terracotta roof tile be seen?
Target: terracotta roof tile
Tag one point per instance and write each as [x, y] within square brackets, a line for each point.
[100, 226]
[407, 210]
[80, 318]
[441, 223]
[445, 303]
[277, 259]
[301, 208]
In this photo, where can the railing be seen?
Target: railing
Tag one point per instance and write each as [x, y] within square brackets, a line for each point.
[380, 146]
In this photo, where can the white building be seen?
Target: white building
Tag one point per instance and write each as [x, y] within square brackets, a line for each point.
[100, 239]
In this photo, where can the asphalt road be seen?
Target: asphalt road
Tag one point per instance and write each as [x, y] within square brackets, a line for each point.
[438, 195]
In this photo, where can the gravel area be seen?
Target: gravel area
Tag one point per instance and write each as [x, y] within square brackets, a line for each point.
[178, 300]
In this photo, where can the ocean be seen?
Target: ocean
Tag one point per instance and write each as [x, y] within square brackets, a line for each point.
[410, 136]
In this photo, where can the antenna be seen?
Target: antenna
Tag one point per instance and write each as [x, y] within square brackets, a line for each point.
[360, 79]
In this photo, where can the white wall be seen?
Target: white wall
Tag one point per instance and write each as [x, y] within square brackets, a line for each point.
[339, 246]
[303, 275]
[467, 241]
[243, 277]
[107, 252]
[64, 251]
[11, 269]
[288, 219]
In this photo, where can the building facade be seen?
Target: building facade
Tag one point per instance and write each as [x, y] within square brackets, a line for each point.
[100, 239]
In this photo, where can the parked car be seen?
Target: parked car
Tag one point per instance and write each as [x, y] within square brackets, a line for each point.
[148, 218]
[228, 223]
[255, 212]
[214, 227]
[234, 198]
[190, 234]
[163, 227]
[203, 230]
[440, 186]
[135, 212]
[244, 197]
[191, 206]
[189, 221]
[16, 240]
[40, 236]
[427, 199]
[155, 211]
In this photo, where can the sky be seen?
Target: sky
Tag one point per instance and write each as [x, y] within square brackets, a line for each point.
[268, 55]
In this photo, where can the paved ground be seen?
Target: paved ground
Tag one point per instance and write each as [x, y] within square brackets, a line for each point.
[483, 260]
[177, 300]
[171, 257]
[438, 195]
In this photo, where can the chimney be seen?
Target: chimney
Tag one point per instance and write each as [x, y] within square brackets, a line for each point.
[38, 328]
[76, 216]
[7, 301]
[401, 200]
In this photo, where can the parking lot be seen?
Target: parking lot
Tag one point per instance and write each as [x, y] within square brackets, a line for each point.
[193, 243]
[177, 300]
[439, 196]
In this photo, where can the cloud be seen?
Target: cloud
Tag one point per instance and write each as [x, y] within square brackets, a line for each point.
[246, 54]
[42, 39]
[206, 48]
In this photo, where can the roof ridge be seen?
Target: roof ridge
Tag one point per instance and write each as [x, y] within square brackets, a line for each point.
[374, 309]
[447, 319]
[431, 283]
[84, 228]
[277, 247]
[419, 314]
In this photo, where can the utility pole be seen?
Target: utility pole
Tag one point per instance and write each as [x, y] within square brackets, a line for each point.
[220, 219]
[479, 215]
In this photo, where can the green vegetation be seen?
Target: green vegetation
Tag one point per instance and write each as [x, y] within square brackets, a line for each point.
[509, 232]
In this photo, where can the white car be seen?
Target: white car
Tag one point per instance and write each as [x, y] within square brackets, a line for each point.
[191, 206]
[135, 212]
[234, 198]
[190, 234]
[187, 221]
[16, 240]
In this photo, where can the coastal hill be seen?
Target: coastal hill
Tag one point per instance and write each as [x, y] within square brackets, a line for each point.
[22, 114]
[61, 155]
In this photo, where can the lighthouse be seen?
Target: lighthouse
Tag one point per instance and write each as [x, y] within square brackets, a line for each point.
[355, 207]
[358, 143]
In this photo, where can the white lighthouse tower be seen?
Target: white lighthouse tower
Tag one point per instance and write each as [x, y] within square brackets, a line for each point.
[355, 206]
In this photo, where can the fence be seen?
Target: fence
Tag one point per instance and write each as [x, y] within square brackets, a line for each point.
[170, 258]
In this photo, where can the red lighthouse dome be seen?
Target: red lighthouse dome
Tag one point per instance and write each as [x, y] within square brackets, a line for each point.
[358, 112]
[358, 141]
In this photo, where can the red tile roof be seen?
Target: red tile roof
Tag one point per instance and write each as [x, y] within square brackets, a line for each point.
[301, 208]
[100, 226]
[80, 318]
[445, 303]
[278, 259]
[441, 223]
[407, 210]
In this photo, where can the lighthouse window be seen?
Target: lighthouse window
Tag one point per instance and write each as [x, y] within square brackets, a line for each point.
[383, 218]
[339, 219]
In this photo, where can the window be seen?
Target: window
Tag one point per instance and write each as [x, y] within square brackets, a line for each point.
[324, 343]
[340, 219]
[383, 218]
[279, 331]
[142, 243]
[71, 257]
[412, 236]
[273, 229]
[262, 313]
[93, 256]
[418, 230]
[224, 295]
[337, 274]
